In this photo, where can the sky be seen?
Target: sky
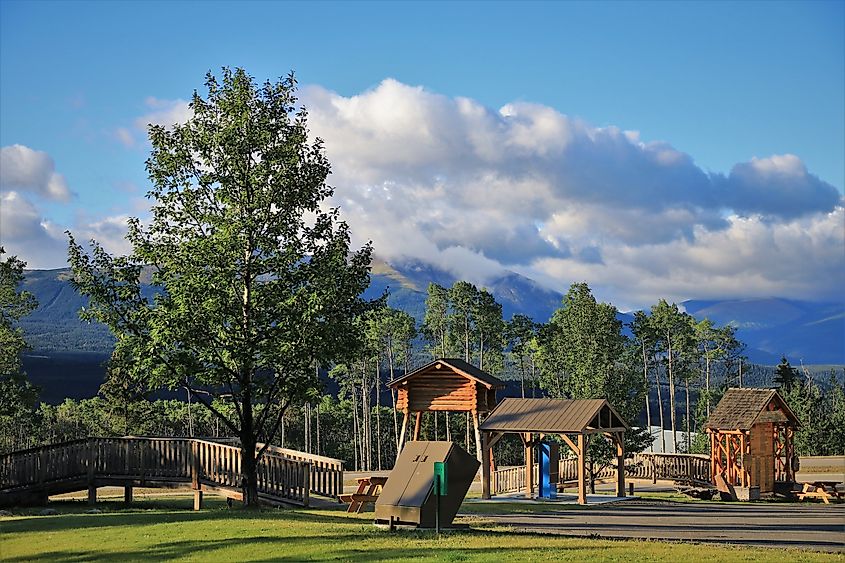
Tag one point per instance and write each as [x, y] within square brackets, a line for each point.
[654, 150]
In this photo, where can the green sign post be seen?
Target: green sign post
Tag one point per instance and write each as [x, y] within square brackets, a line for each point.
[441, 478]
[440, 489]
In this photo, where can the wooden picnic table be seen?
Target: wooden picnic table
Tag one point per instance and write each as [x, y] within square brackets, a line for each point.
[824, 490]
[369, 488]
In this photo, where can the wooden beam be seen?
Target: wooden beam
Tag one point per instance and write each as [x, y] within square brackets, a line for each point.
[417, 426]
[478, 447]
[570, 443]
[494, 437]
[404, 433]
[620, 464]
[529, 465]
[582, 469]
[486, 457]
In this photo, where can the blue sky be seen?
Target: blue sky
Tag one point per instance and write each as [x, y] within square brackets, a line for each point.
[721, 83]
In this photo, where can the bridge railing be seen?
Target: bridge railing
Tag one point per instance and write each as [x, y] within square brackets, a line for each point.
[675, 467]
[152, 461]
[326, 473]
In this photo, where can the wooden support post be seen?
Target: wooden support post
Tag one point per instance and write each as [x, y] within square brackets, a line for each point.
[417, 426]
[582, 469]
[92, 458]
[478, 448]
[712, 457]
[529, 465]
[127, 494]
[403, 434]
[197, 499]
[486, 456]
[620, 464]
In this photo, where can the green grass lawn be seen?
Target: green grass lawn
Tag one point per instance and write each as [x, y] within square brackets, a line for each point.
[166, 528]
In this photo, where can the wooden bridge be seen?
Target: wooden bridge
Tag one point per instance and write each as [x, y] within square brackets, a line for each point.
[284, 476]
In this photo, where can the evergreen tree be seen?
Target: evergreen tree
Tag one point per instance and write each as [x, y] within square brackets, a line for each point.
[785, 375]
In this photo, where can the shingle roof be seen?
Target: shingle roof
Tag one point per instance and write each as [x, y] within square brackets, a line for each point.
[460, 366]
[552, 416]
[740, 409]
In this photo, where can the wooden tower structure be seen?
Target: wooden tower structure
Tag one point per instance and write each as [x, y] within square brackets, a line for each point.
[448, 385]
[751, 440]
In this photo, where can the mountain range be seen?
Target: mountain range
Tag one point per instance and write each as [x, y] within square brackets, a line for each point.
[802, 330]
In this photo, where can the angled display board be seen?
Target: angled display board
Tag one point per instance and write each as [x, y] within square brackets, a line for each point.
[408, 496]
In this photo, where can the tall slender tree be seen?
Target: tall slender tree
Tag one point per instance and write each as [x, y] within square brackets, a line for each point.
[462, 318]
[519, 332]
[490, 331]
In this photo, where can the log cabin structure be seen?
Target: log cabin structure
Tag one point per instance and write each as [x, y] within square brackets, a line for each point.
[448, 385]
[752, 440]
[576, 421]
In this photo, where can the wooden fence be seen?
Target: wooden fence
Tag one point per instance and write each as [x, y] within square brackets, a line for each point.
[326, 472]
[149, 462]
[675, 467]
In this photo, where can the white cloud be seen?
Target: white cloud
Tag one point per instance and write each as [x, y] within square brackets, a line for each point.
[26, 234]
[125, 137]
[526, 187]
[164, 112]
[27, 170]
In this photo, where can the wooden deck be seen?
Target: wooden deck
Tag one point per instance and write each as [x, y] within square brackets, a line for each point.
[284, 476]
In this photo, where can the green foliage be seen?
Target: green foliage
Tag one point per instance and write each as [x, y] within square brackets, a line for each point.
[435, 324]
[821, 413]
[521, 337]
[255, 280]
[785, 375]
[17, 394]
[465, 322]
[582, 355]
[461, 319]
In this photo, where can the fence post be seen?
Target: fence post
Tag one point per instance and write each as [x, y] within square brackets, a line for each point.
[92, 489]
[195, 475]
[306, 486]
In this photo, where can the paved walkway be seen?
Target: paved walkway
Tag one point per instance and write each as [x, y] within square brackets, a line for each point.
[807, 526]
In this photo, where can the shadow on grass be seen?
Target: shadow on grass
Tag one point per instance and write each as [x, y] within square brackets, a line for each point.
[73, 516]
[317, 547]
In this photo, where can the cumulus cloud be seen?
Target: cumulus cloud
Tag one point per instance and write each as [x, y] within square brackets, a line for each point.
[528, 188]
[26, 234]
[26, 170]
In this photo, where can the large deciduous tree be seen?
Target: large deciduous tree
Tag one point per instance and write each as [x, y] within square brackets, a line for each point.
[255, 279]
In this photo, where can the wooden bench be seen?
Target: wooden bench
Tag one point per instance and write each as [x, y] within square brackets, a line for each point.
[369, 489]
[824, 490]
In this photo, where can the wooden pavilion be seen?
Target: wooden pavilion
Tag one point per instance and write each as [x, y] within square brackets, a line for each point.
[751, 440]
[449, 385]
[576, 421]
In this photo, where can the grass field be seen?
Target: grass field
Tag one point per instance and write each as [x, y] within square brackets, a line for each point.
[157, 529]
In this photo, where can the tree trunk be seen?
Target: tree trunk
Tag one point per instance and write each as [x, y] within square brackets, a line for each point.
[672, 396]
[660, 407]
[393, 400]
[686, 389]
[378, 413]
[707, 383]
[647, 396]
[356, 430]
[522, 375]
[249, 468]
